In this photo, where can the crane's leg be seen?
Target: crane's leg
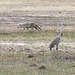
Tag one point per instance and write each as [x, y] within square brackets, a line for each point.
[57, 47]
[50, 48]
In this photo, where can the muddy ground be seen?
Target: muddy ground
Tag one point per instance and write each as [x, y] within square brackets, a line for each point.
[53, 18]
[10, 21]
[34, 47]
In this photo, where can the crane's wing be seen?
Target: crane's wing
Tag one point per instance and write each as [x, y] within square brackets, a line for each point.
[55, 41]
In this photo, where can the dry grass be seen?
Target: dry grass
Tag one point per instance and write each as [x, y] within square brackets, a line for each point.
[25, 5]
[53, 29]
[15, 34]
[15, 60]
[55, 63]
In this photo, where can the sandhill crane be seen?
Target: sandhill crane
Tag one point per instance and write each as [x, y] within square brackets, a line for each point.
[57, 40]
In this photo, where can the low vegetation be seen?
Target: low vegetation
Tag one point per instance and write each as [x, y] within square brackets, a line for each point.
[36, 36]
[35, 58]
[53, 63]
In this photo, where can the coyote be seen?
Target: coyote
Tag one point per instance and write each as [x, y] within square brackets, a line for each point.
[30, 25]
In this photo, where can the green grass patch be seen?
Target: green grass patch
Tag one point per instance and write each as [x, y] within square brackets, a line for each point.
[70, 35]
[36, 36]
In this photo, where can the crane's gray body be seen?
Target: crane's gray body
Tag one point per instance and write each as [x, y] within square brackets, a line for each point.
[57, 40]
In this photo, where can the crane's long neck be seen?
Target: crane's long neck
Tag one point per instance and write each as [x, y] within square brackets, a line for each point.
[61, 33]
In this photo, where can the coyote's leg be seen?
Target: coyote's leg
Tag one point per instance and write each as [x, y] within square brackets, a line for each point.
[32, 28]
[28, 29]
[38, 28]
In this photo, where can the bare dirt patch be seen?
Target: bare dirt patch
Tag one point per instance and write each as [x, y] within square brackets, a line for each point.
[34, 47]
